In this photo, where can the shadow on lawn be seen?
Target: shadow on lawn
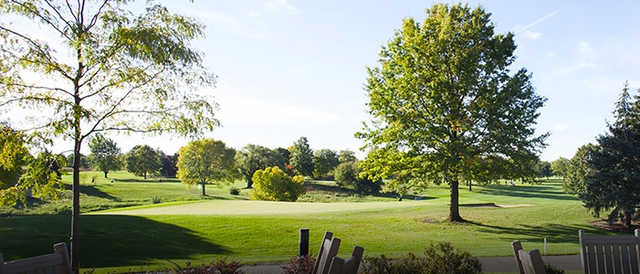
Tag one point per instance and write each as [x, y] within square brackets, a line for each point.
[526, 192]
[555, 233]
[347, 191]
[91, 190]
[105, 240]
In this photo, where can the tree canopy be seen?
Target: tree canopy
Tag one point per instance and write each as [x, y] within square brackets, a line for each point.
[105, 154]
[105, 67]
[324, 161]
[206, 161]
[142, 160]
[302, 157]
[443, 93]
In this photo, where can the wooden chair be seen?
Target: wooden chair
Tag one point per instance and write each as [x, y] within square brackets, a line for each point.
[529, 262]
[348, 266]
[328, 250]
[58, 262]
[327, 261]
[610, 254]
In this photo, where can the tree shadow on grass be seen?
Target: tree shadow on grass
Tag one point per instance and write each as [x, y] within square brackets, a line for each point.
[347, 191]
[105, 240]
[91, 190]
[526, 192]
[555, 233]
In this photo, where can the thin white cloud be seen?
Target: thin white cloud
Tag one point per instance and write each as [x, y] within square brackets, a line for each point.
[526, 30]
[560, 128]
[585, 59]
[278, 5]
[254, 29]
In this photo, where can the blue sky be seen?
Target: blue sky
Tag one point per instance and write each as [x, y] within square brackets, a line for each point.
[291, 68]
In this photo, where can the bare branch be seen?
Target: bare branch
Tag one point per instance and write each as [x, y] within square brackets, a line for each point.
[71, 11]
[37, 87]
[37, 14]
[55, 9]
[38, 48]
[94, 20]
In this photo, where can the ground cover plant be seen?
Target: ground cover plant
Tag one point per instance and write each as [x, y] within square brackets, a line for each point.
[200, 231]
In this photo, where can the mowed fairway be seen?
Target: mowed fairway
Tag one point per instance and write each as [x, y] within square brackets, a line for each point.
[151, 235]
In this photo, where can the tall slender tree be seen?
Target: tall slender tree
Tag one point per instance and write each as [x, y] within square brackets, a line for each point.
[95, 66]
[105, 154]
[302, 157]
[444, 92]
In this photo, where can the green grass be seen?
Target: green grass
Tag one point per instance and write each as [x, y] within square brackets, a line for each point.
[151, 235]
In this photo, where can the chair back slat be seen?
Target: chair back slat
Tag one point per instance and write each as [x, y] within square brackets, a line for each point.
[610, 254]
[328, 254]
[337, 266]
[352, 264]
[517, 246]
[531, 261]
[327, 236]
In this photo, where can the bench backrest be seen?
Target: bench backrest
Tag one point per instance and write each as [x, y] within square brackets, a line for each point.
[58, 262]
[348, 266]
[328, 250]
[528, 262]
[610, 254]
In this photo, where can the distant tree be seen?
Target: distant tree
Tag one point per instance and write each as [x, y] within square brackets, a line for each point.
[283, 156]
[83, 163]
[169, 164]
[348, 174]
[206, 161]
[302, 157]
[543, 168]
[255, 157]
[105, 154]
[443, 92]
[612, 180]
[346, 156]
[272, 184]
[559, 167]
[577, 170]
[142, 160]
[324, 161]
[14, 156]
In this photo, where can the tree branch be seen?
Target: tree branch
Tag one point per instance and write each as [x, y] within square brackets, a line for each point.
[37, 14]
[37, 87]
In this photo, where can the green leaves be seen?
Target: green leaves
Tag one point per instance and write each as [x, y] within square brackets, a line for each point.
[206, 161]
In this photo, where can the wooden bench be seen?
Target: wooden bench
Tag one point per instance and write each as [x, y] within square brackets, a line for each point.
[327, 261]
[58, 262]
[610, 254]
[529, 262]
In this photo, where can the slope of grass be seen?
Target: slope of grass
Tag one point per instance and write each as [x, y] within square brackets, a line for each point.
[254, 231]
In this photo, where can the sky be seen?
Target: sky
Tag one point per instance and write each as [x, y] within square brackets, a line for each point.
[291, 68]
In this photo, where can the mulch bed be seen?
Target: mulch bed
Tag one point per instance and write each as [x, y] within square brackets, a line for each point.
[615, 227]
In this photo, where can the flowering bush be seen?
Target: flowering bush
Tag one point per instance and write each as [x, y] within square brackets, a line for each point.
[299, 265]
[272, 184]
[221, 266]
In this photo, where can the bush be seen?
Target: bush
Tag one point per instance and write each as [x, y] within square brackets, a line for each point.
[440, 258]
[549, 269]
[272, 184]
[234, 191]
[220, 266]
[299, 265]
[347, 174]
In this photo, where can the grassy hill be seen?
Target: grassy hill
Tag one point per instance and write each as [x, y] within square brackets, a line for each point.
[184, 227]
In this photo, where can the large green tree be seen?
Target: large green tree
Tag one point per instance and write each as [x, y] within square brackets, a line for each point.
[142, 160]
[324, 161]
[444, 92]
[577, 170]
[103, 66]
[559, 167]
[105, 154]
[302, 157]
[613, 177]
[255, 157]
[206, 161]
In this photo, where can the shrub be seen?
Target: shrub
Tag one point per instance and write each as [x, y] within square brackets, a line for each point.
[234, 191]
[299, 265]
[440, 258]
[347, 174]
[549, 269]
[272, 184]
[220, 266]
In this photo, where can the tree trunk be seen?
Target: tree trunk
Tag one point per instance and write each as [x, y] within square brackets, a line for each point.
[105, 174]
[203, 190]
[454, 212]
[470, 186]
[76, 206]
[628, 214]
[145, 175]
[249, 182]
